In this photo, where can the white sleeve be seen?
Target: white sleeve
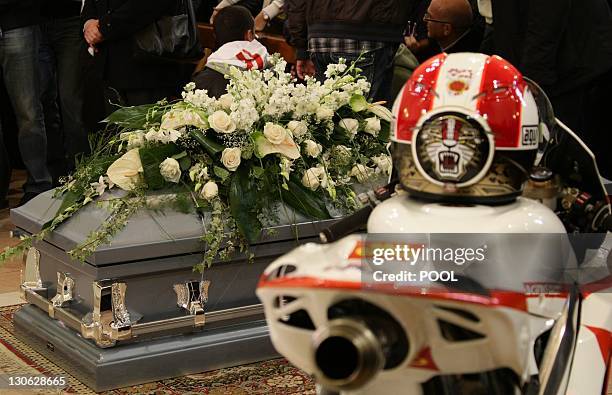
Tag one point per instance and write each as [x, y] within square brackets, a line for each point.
[274, 8]
[485, 9]
[226, 3]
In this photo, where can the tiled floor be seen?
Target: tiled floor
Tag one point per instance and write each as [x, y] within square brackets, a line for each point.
[9, 271]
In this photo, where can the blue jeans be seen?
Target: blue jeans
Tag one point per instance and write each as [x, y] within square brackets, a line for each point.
[19, 68]
[62, 84]
[376, 66]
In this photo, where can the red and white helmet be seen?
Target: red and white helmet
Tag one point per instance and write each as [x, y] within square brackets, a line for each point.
[467, 129]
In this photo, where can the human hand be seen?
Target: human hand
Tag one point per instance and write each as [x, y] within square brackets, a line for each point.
[411, 42]
[305, 68]
[260, 22]
[91, 31]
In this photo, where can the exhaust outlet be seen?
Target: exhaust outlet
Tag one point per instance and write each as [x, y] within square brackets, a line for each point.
[347, 354]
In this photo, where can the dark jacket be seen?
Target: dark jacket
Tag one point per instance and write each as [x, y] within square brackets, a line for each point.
[371, 20]
[19, 13]
[561, 44]
[58, 9]
[119, 20]
[211, 80]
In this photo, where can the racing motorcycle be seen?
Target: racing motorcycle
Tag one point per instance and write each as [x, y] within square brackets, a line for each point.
[481, 162]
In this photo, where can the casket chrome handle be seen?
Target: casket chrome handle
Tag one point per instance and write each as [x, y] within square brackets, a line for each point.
[30, 272]
[105, 335]
[192, 296]
[64, 292]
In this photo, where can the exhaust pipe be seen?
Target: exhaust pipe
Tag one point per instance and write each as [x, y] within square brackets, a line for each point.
[347, 354]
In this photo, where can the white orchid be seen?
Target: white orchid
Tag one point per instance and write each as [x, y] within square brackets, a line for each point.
[99, 186]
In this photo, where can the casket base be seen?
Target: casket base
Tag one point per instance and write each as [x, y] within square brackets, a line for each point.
[141, 362]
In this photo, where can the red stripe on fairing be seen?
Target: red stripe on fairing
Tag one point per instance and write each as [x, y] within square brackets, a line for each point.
[604, 340]
[600, 285]
[413, 104]
[511, 299]
[502, 111]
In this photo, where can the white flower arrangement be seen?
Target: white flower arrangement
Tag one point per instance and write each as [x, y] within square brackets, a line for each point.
[270, 139]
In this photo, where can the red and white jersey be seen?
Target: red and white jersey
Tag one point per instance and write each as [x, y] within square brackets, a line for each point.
[246, 55]
[486, 88]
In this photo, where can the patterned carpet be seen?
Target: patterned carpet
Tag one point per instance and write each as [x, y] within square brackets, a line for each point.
[276, 377]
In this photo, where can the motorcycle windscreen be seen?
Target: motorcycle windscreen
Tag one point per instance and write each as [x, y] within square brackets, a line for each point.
[563, 152]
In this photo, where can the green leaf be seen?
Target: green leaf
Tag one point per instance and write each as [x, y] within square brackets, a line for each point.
[221, 173]
[258, 172]
[385, 131]
[151, 157]
[70, 198]
[179, 156]
[210, 145]
[135, 117]
[303, 200]
[358, 103]
[185, 163]
[243, 197]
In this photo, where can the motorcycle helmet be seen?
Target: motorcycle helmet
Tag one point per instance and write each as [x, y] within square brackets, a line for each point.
[466, 129]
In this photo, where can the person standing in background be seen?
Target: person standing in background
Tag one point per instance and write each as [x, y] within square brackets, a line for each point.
[450, 25]
[565, 46]
[109, 27]
[367, 32]
[19, 43]
[62, 83]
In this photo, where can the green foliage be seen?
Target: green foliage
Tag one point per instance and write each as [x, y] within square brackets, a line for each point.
[304, 200]
[243, 197]
[137, 117]
[151, 158]
[209, 144]
[121, 211]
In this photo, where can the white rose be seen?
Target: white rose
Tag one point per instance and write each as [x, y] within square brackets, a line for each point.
[372, 126]
[361, 172]
[230, 157]
[312, 148]
[311, 178]
[210, 190]
[170, 170]
[324, 112]
[383, 162]
[226, 101]
[221, 122]
[297, 128]
[351, 125]
[275, 134]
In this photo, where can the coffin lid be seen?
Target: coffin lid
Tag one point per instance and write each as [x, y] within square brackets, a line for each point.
[148, 234]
